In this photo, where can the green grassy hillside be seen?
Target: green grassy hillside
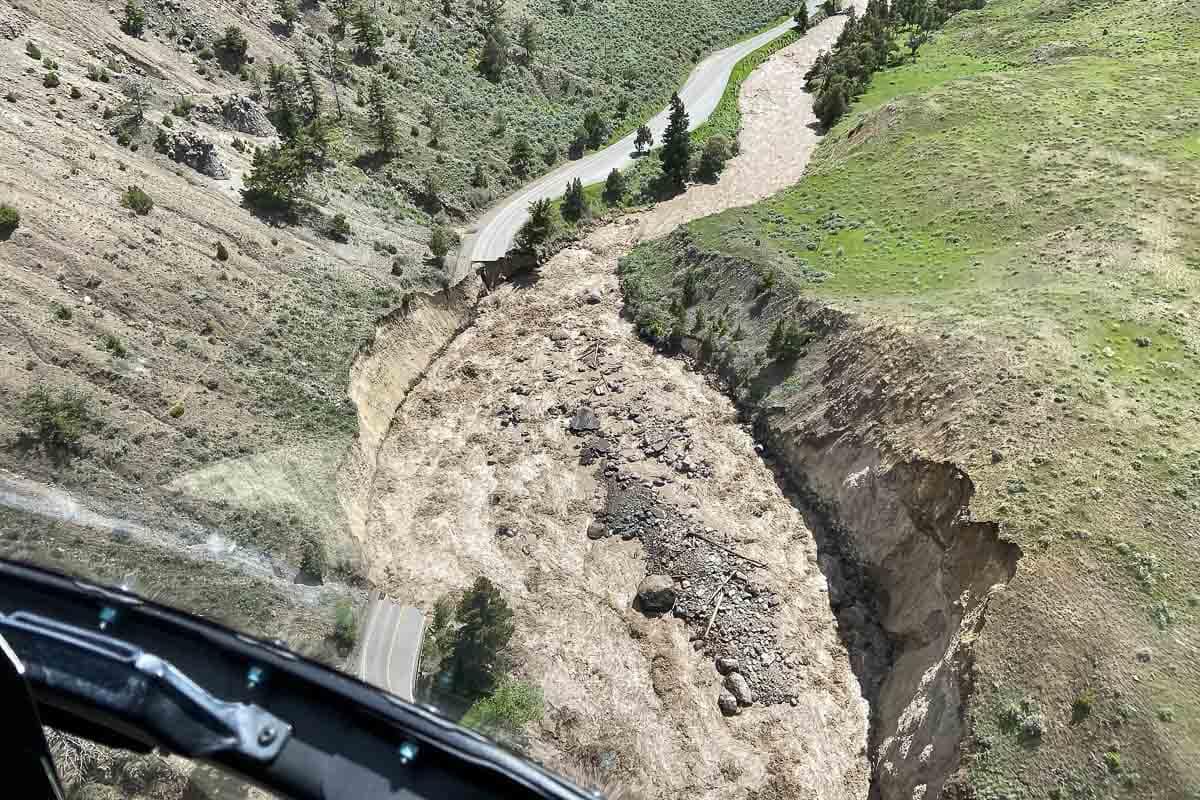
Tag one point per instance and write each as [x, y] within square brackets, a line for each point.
[1023, 200]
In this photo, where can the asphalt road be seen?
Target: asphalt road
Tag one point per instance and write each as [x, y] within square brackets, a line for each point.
[497, 229]
[391, 647]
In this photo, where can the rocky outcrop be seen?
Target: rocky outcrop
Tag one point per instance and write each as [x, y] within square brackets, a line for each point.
[243, 114]
[194, 149]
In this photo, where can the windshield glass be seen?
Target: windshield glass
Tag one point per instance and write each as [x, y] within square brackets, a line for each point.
[669, 391]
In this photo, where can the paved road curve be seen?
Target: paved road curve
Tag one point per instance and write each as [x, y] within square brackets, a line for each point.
[391, 646]
[700, 94]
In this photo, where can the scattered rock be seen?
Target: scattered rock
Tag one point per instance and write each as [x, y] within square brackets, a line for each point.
[1143, 341]
[997, 456]
[592, 297]
[736, 683]
[727, 664]
[728, 704]
[596, 530]
[656, 595]
[560, 335]
[1144, 654]
[584, 420]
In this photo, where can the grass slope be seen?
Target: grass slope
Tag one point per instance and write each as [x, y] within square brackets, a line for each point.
[1023, 197]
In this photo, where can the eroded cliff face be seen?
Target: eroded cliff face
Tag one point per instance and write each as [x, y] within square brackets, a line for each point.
[406, 342]
[916, 569]
[864, 425]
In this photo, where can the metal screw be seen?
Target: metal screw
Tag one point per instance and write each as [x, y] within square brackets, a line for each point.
[266, 735]
[108, 615]
[408, 751]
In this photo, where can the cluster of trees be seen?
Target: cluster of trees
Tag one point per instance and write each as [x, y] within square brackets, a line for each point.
[868, 44]
[280, 173]
[466, 647]
[677, 161]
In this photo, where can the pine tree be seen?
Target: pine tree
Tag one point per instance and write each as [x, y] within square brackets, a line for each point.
[614, 187]
[522, 156]
[801, 17]
[775, 344]
[494, 57]
[676, 145]
[644, 140]
[312, 87]
[283, 98]
[277, 177]
[383, 119]
[538, 229]
[343, 13]
[574, 203]
[288, 11]
[335, 70]
[597, 129]
[530, 38]
[477, 653]
[368, 35]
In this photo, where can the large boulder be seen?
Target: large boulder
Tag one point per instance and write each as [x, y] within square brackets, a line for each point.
[728, 704]
[194, 149]
[584, 420]
[739, 687]
[656, 594]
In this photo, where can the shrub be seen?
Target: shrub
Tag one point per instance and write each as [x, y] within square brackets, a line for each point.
[137, 200]
[75, 93]
[183, 107]
[1081, 709]
[339, 228]
[233, 46]
[50, 64]
[441, 240]
[176, 411]
[113, 345]
[96, 72]
[345, 627]
[51, 80]
[134, 22]
[509, 708]
[312, 556]
[33, 51]
[55, 420]
[1024, 719]
[712, 159]
[62, 312]
[222, 252]
[10, 220]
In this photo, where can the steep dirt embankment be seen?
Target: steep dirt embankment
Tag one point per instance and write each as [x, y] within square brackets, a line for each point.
[910, 571]
[406, 342]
